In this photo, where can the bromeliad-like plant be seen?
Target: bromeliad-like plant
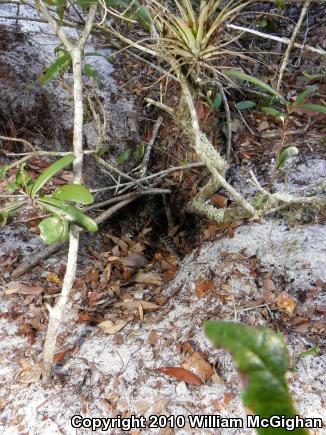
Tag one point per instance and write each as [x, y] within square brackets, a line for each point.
[262, 359]
[56, 227]
[191, 37]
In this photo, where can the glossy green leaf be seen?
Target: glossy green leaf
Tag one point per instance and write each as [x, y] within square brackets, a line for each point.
[285, 155]
[217, 102]
[94, 75]
[262, 358]
[3, 171]
[50, 172]
[68, 212]
[274, 112]
[74, 192]
[300, 98]
[245, 105]
[259, 83]
[54, 229]
[312, 107]
[124, 156]
[53, 70]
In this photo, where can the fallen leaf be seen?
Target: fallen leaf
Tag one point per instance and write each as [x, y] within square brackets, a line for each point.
[135, 261]
[219, 201]
[23, 289]
[286, 302]
[181, 374]
[198, 364]
[203, 287]
[110, 327]
[134, 305]
[32, 375]
[148, 278]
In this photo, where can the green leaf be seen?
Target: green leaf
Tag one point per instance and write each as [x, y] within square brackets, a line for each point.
[54, 229]
[50, 172]
[312, 107]
[300, 98]
[311, 352]
[285, 155]
[144, 17]
[94, 75]
[140, 151]
[53, 70]
[260, 84]
[3, 171]
[245, 105]
[12, 187]
[61, 7]
[74, 192]
[68, 212]
[24, 180]
[262, 358]
[124, 156]
[217, 101]
[276, 113]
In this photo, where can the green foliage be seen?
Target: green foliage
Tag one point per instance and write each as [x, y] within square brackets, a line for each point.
[123, 157]
[50, 172]
[285, 155]
[3, 171]
[56, 227]
[94, 75]
[74, 192]
[262, 358]
[299, 102]
[311, 352]
[60, 65]
[245, 105]
[68, 212]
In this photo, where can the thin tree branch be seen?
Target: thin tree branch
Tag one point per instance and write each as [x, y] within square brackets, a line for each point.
[291, 43]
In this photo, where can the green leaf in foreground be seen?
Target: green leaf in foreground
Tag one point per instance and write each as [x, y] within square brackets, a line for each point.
[49, 172]
[54, 229]
[60, 64]
[245, 105]
[74, 192]
[217, 101]
[262, 358]
[285, 155]
[68, 212]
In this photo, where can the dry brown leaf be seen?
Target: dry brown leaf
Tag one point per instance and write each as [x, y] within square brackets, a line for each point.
[219, 201]
[286, 302]
[32, 375]
[134, 305]
[181, 374]
[198, 364]
[148, 278]
[23, 289]
[203, 287]
[135, 261]
[110, 327]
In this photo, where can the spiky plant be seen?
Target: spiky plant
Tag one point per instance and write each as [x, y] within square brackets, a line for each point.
[196, 38]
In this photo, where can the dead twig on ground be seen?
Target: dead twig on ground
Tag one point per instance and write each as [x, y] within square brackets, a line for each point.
[156, 128]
